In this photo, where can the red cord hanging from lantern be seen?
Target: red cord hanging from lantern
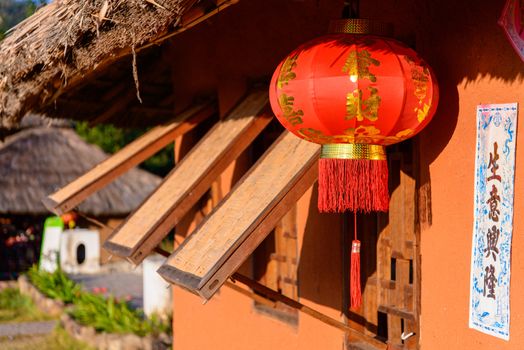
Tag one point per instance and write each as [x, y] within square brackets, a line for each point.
[353, 94]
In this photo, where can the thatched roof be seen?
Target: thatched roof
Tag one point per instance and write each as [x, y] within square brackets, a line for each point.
[72, 54]
[37, 161]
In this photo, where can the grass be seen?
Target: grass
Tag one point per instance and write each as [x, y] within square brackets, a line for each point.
[59, 339]
[15, 307]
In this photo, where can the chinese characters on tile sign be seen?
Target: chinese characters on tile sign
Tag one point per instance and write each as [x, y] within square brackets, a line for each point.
[492, 236]
[489, 308]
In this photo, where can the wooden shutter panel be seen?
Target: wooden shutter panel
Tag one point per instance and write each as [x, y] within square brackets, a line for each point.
[133, 154]
[151, 222]
[244, 218]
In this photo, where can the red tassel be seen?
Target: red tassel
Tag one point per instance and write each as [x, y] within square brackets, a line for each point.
[354, 285]
[352, 184]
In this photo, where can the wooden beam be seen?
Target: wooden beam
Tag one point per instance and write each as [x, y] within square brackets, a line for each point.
[156, 111]
[133, 154]
[156, 89]
[164, 107]
[120, 104]
[227, 237]
[255, 297]
[193, 14]
[77, 105]
[219, 2]
[184, 186]
[272, 296]
[114, 92]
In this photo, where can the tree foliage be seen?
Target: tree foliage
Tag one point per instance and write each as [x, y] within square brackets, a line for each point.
[14, 11]
[111, 139]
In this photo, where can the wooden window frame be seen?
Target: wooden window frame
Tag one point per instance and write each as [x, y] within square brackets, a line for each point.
[390, 257]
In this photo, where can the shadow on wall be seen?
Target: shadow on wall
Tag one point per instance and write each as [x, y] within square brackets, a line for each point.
[320, 260]
[462, 42]
[439, 131]
[322, 265]
[465, 43]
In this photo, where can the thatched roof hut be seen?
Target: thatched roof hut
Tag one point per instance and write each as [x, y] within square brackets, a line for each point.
[38, 160]
[77, 59]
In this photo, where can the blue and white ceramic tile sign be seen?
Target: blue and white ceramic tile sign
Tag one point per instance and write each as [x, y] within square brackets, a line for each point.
[493, 214]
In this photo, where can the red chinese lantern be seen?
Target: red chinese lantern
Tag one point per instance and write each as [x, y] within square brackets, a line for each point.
[353, 94]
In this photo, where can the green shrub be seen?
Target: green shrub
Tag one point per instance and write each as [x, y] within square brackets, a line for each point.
[55, 285]
[104, 314]
[113, 316]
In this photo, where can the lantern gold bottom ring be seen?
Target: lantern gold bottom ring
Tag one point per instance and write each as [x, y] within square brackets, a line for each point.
[353, 151]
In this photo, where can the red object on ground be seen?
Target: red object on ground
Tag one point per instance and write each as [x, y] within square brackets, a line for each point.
[353, 94]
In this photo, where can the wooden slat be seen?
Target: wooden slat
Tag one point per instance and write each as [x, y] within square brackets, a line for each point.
[151, 222]
[244, 218]
[397, 312]
[286, 249]
[133, 154]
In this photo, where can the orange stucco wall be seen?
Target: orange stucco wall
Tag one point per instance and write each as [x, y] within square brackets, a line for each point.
[474, 64]
[446, 245]
[230, 320]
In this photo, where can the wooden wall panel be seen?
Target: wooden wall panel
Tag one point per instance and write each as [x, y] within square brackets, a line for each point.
[398, 255]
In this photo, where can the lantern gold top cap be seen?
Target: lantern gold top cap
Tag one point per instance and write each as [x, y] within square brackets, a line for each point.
[360, 26]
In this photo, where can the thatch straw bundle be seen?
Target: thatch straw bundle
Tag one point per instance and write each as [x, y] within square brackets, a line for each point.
[67, 39]
[39, 160]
